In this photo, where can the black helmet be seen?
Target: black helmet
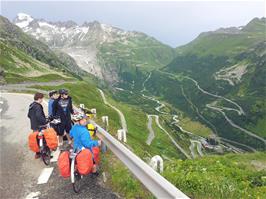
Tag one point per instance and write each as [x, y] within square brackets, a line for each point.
[63, 91]
[51, 93]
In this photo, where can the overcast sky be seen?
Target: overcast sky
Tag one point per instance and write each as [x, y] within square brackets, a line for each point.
[174, 23]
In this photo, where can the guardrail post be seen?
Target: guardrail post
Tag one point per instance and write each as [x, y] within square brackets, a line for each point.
[93, 110]
[82, 106]
[156, 162]
[105, 120]
[122, 135]
[119, 134]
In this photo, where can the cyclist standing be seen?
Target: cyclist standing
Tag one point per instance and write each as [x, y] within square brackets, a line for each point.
[53, 96]
[36, 115]
[62, 107]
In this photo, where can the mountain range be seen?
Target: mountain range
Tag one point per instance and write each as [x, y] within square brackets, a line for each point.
[105, 51]
[212, 88]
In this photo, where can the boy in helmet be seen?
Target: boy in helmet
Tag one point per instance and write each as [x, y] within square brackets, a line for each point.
[53, 96]
[81, 135]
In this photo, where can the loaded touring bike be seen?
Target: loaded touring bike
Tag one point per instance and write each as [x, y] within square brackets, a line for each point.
[45, 151]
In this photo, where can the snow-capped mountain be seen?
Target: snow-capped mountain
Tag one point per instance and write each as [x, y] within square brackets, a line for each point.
[23, 20]
[62, 34]
[85, 42]
[79, 41]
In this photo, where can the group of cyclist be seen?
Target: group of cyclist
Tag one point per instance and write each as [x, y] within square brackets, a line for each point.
[73, 124]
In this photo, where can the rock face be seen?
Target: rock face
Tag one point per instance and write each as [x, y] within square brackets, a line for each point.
[84, 42]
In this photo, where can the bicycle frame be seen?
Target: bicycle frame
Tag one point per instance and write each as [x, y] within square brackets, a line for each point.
[40, 138]
[72, 168]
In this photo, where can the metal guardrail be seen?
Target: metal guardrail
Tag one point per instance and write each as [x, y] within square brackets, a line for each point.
[153, 181]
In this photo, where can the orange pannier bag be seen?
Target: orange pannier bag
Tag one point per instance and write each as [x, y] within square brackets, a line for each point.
[96, 154]
[32, 142]
[51, 138]
[84, 162]
[64, 164]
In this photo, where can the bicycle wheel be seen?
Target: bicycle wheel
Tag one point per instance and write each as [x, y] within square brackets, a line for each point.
[77, 182]
[46, 155]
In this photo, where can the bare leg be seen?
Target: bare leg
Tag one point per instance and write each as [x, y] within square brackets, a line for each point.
[94, 168]
[60, 138]
[68, 138]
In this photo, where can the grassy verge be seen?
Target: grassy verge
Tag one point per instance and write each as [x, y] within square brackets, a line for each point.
[228, 176]
[121, 180]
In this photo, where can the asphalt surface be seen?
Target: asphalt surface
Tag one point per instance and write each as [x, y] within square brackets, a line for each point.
[19, 170]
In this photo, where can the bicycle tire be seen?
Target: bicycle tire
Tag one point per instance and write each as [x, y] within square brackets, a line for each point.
[77, 182]
[46, 155]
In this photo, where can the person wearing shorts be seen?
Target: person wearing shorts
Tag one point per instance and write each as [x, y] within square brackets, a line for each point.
[63, 108]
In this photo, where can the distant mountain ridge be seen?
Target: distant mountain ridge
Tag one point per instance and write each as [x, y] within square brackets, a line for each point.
[88, 44]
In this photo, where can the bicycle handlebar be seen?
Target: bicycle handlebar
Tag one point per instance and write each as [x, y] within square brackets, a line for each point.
[53, 121]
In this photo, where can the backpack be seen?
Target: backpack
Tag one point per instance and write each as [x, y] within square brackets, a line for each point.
[64, 164]
[96, 154]
[51, 138]
[84, 162]
[32, 142]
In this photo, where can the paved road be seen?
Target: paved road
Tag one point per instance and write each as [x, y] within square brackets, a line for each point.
[171, 138]
[20, 171]
[235, 125]
[121, 115]
[151, 131]
[26, 86]
[191, 148]
[199, 147]
[149, 124]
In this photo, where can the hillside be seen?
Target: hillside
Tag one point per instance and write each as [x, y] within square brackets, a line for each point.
[29, 53]
[219, 79]
[105, 51]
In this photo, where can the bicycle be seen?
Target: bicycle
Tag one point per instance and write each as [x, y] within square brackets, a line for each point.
[74, 174]
[45, 151]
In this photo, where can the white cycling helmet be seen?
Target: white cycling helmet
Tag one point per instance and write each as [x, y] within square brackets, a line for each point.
[77, 117]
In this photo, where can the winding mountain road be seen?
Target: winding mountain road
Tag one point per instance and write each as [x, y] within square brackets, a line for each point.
[235, 125]
[220, 110]
[151, 131]
[195, 108]
[239, 110]
[121, 115]
[26, 86]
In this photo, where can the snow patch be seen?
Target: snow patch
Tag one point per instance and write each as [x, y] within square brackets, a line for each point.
[42, 24]
[23, 16]
[85, 29]
[24, 20]
[106, 28]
